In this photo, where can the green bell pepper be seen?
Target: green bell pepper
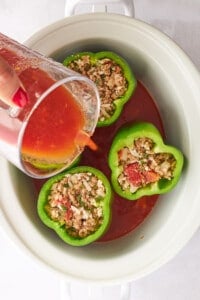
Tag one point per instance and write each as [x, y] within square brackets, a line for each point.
[113, 78]
[141, 163]
[76, 204]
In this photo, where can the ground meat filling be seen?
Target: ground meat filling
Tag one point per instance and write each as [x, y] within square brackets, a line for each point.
[109, 79]
[76, 203]
[142, 166]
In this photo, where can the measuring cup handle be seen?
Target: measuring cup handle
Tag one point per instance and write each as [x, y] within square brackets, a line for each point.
[69, 292]
[122, 7]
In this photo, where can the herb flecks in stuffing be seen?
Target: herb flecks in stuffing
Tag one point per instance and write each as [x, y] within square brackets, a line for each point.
[75, 202]
[109, 79]
[142, 166]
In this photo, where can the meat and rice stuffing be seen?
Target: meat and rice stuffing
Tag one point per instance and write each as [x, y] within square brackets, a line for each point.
[142, 166]
[109, 79]
[75, 202]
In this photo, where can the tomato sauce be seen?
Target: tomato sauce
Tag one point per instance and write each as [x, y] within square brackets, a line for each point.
[126, 214]
[52, 128]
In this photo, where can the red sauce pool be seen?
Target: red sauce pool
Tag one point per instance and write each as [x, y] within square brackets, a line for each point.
[126, 214]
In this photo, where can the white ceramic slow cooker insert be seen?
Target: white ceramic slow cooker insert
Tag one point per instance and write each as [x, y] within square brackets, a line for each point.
[174, 83]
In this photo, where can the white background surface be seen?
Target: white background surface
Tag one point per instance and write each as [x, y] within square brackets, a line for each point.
[20, 278]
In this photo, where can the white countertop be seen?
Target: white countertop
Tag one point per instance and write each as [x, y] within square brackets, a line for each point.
[21, 278]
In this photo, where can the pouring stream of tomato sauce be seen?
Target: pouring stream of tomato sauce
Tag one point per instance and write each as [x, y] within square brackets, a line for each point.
[126, 215]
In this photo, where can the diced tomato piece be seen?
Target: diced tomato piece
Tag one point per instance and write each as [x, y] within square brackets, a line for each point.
[151, 177]
[134, 174]
[68, 214]
[67, 204]
[138, 177]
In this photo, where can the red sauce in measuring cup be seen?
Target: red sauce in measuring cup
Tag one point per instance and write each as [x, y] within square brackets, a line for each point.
[53, 127]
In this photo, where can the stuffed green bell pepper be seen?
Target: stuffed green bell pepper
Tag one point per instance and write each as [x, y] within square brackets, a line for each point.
[112, 76]
[141, 163]
[76, 204]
